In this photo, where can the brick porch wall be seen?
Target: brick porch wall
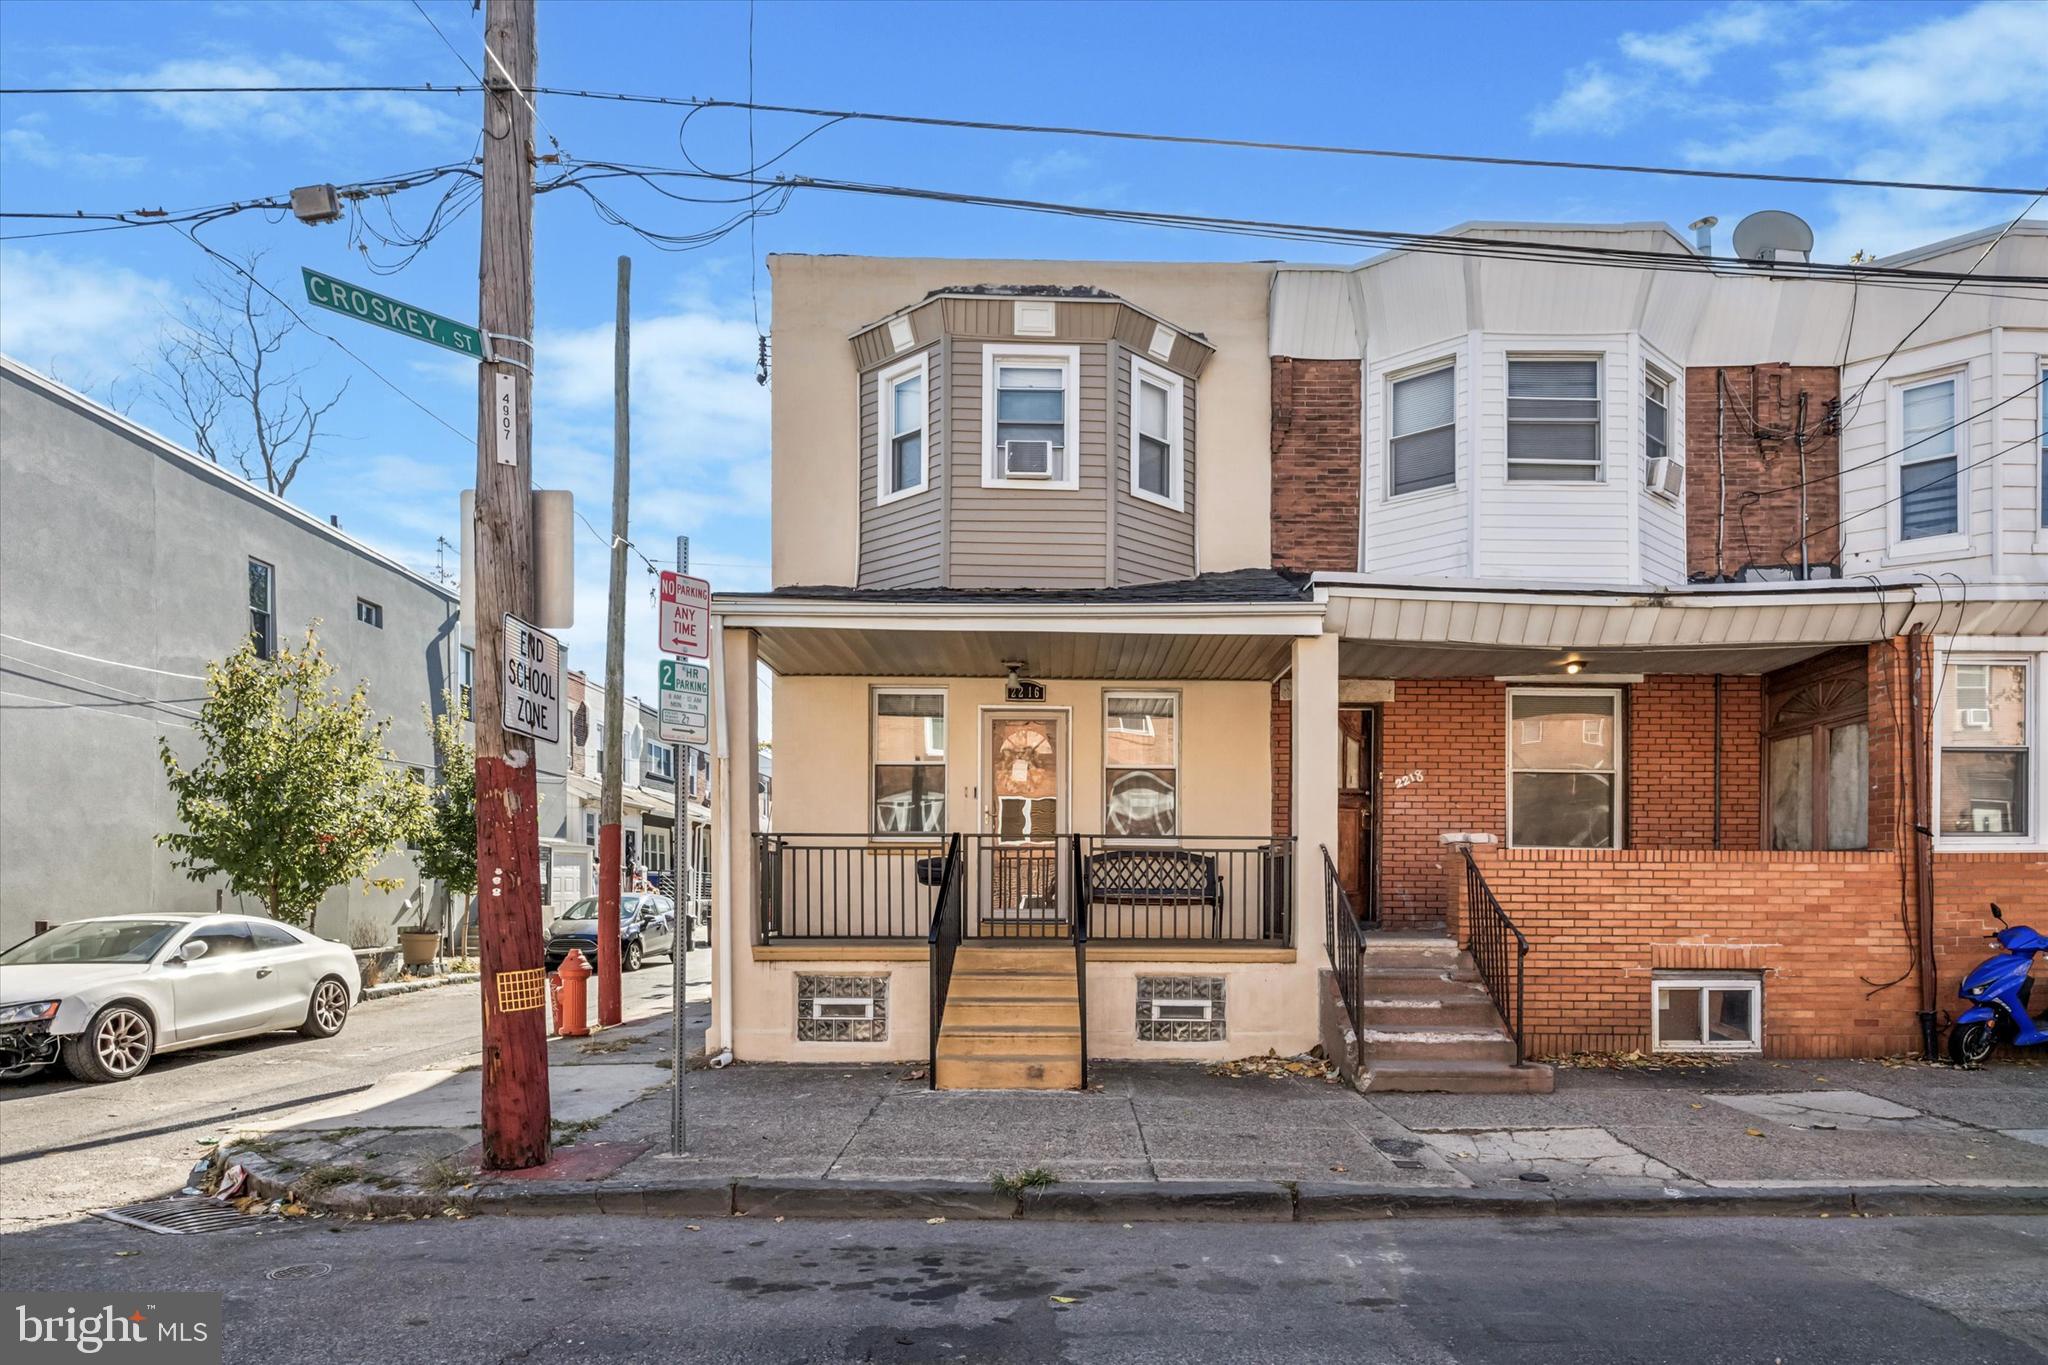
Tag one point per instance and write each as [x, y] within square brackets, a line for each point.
[1316, 454]
[1282, 731]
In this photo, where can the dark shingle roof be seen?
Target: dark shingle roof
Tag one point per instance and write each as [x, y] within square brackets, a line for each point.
[1234, 586]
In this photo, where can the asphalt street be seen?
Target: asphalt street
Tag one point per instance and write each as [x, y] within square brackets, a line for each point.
[1949, 1290]
[68, 1148]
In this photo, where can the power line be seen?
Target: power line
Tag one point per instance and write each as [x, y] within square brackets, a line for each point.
[1951, 479]
[1057, 130]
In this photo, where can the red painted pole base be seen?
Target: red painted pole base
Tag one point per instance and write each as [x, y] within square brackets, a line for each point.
[515, 1070]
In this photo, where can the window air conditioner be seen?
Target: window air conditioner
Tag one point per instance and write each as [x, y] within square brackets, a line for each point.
[1976, 718]
[1666, 476]
[1028, 459]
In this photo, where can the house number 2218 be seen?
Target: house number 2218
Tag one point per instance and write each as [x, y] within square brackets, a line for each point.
[1408, 779]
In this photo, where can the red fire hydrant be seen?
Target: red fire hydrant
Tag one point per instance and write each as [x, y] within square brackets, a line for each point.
[570, 994]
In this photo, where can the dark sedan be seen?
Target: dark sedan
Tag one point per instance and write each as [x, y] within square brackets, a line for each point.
[647, 928]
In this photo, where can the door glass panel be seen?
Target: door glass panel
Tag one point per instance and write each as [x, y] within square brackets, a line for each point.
[1024, 777]
[1848, 786]
[1791, 794]
[1678, 1014]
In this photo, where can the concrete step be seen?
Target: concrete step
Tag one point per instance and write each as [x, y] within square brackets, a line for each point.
[1009, 1040]
[1021, 1072]
[1035, 1011]
[1474, 1010]
[979, 985]
[1435, 1042]
[1390, 980]
[1456, 1078]
[1411, 950]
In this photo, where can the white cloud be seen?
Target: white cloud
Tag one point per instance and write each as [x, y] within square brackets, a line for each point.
[1592, 98]
[85, 322]
[1989, 61]
[1027, 172]
[288, 117]
[31, 146]
[1688, 52]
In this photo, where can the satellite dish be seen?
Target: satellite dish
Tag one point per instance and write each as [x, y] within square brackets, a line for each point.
[1773, 235]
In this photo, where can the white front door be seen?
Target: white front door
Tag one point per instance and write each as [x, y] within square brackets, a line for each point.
[1024, 797]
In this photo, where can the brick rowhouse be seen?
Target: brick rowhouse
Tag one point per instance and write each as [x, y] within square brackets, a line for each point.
[1756, 453]
[1316, 454]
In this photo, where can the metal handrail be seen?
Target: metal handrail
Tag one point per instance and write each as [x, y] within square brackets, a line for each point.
[1488, 932]
[1345, 940]
[1078, 929]
[944, 939]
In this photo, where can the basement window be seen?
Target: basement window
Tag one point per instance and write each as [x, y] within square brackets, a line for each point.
[842, 1009]
[1710, 1012]
[1180, 1009]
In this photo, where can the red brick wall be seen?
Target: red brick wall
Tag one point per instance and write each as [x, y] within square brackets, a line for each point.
[1965, 884]
[1759, 418]
[1315, 464]
[1671, 762]
[1282, 730]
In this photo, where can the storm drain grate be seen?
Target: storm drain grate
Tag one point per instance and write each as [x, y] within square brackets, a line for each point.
[184, 1214]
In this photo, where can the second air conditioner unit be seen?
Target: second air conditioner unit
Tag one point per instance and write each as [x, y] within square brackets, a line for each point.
[1027, 459]
[1666, 476]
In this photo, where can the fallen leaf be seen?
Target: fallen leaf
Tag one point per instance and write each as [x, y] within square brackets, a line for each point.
[934, 1221]
[137, 1253]
[778, 1217]
[1127, 1228]
[1699, 1106]
[1753, 1132]
[1339, 1169]
[1062, 1298]
[692, 1227]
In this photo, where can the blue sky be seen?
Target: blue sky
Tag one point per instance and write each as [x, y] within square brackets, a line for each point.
[1900, 90]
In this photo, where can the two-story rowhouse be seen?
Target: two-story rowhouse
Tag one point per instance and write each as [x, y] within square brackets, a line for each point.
[1172, 661]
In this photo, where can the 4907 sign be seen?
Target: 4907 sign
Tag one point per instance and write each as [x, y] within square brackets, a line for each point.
[533, 681]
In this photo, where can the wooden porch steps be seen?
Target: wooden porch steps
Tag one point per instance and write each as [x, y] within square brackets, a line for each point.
[1429, 1025]
[1012, 1021]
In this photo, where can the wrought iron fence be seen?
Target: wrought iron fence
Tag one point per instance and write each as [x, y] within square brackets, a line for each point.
[1344, 939]
[1080, 936]
[1491, 937]
[944, 938]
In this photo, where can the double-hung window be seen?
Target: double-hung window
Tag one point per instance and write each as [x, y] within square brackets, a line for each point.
[1028, 440]
[1157, 434]
[1564, 768]
[1928, 484]
[1554, 419]
[369, 613]
[902, 466]
[1422, 431]
[468, 677]
[1663, 467]
[909, 749]
[1985, 748]
[1141, 764]
[263, 609]
[660, 761]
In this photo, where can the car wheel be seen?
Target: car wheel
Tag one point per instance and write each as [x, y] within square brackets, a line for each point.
[327, 1011]
[1970, 1044]
[115, 1046]
[630, 954]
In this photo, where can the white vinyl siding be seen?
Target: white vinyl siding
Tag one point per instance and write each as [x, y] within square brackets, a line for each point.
[1554, 418]
[1422, 431]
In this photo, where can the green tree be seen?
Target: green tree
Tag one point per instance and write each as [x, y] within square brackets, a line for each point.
[295, 793]
[448, 845]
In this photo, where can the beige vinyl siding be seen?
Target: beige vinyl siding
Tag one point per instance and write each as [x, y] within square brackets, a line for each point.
[1027, 537]
[902, 544]
[1152, 543]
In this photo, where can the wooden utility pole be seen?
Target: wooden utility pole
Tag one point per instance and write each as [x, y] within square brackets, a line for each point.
[515, 1067]
[610, 838]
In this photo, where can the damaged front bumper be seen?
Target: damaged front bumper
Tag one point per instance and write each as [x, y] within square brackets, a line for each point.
[26, 1048]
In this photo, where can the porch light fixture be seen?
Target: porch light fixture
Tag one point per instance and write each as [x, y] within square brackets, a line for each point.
[1574, 665]
[1015, 668]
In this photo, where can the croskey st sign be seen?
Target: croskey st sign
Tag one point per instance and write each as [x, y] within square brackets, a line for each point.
[359, 303]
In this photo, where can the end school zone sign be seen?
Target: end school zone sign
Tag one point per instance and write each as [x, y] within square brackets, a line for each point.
[533, 682]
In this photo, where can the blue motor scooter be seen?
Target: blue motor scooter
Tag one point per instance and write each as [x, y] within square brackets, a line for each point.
[1998, 991]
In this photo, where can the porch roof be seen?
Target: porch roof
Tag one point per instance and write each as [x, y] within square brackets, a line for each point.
[1452, 628]
[1234, 625]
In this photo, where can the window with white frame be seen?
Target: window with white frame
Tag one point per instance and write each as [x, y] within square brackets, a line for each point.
[1422, 430]
[1141, 764]
[1663, 468]
[905, 412]
[1707, 1012]
[654, 850]
[1564, 768]
[1030, 438]
[590, 828]
[1928, 482]
[660, 761]
[909, 760]
[1158, 429]
[1985, 748]
[1554, 418]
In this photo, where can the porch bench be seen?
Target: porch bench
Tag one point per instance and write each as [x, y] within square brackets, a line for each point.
[1156, 876]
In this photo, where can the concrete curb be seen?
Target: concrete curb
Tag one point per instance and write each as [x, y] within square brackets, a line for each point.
[418, 983]
[1132, 1202]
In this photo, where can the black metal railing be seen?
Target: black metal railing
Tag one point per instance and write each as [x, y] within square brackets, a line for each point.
[1344, 938]
[944, 939]
[1490, 936]
[835, 886]
[1079, 932]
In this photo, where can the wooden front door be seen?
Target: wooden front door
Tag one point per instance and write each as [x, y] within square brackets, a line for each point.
[1358, 765]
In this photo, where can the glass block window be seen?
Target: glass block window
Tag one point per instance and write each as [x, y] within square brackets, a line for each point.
[1180, 1009]
[842, 1009]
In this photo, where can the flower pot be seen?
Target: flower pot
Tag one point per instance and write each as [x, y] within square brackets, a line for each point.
[420, 946]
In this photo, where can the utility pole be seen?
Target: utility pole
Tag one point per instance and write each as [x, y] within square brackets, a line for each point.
[610, 839]
[515, 1068]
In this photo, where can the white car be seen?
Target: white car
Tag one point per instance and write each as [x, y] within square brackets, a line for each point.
[105, 995]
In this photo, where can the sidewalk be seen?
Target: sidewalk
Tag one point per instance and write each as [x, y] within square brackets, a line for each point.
[1172, 1140]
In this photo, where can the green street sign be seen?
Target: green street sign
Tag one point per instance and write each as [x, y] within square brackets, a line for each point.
[357, 302]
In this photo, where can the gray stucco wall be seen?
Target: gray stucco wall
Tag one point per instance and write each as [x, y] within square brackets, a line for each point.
[119, 549]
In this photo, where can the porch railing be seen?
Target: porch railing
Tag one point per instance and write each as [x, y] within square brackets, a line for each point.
[944, 939]
[1344, 938]
[1491, 937]
[1211, 891]
[1079, 933]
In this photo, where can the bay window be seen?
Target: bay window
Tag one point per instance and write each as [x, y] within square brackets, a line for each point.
[901, 466]
[1985, 768]
[1564, 768]
[908, 744]
[1928, 483]
[1554, 419]
[1422, 431]
[1141, 764]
